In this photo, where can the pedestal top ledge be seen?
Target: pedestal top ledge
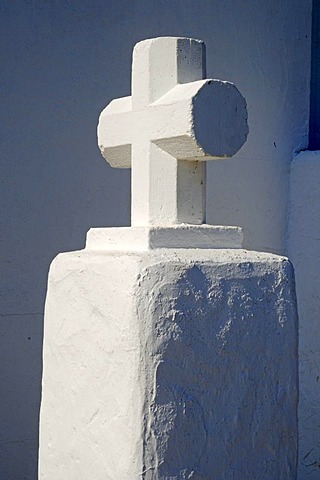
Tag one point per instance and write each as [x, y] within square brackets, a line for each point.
[175, 236]
[173, 123]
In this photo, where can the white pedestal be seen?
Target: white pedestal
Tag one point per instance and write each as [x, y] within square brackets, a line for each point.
[169, 364]
[303, 247]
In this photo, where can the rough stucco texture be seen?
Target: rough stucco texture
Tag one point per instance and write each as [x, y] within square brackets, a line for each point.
[304, 246]
[190, 371]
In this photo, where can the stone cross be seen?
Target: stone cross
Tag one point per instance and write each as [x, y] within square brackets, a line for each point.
[173, 122]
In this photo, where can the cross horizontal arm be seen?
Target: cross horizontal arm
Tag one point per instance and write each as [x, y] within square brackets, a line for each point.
[115, 133]
[202, 120]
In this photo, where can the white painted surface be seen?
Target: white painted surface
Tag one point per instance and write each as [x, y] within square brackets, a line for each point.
[62, 62]
[173, 364]
[304, 248]
[177, 236]
[173, 122]
[91, 403]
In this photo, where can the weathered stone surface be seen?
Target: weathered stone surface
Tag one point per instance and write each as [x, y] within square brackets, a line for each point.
[303, 248]
[188, 371]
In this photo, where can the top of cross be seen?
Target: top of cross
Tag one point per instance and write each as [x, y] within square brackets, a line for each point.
[162, 63]
[171, 124]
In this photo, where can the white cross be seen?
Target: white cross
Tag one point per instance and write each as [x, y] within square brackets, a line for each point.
[173, 121]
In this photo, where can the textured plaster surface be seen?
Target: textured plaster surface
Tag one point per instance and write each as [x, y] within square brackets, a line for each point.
[169, 365]
[304, 247]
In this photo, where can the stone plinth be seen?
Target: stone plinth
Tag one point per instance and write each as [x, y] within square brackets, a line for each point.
[303, 248]
[169, 364]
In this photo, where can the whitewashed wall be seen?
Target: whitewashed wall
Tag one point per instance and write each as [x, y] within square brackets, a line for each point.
[62, 63]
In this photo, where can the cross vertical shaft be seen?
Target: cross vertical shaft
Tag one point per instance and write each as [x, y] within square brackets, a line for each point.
[165, 190]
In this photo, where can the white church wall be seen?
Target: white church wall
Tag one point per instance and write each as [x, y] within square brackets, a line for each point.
[63, 62]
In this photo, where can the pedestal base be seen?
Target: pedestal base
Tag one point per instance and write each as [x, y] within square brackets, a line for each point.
[169, 364]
